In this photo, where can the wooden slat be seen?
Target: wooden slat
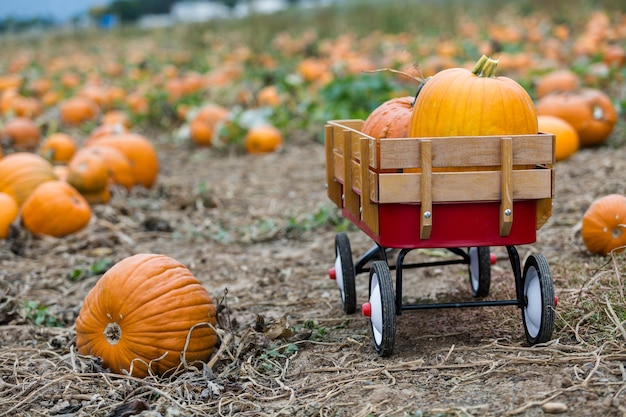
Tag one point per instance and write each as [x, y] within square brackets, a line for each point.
[353, 125]
[464, 186]
[506, 186]
[350, 197]
[369, 210]
[466, 151]
[426, 208]
[334, 188]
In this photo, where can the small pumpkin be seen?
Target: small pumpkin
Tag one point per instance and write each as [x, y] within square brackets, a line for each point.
[77, 110]
[21, 133]
[139, 151]
[58, 148]
[8, 213]
[144, 315]
[566, 137]
[558, 80]
[55, 208]
[463, 102]
[205, 124]
[118, 165]
[22, 172]
[604, 224]
[263, 139]
[88, 172]
[390, 120]
[589, 110]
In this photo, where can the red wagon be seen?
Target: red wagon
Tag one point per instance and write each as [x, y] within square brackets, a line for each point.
[464, 194]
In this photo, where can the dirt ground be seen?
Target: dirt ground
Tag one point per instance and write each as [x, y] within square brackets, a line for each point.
[239, 223]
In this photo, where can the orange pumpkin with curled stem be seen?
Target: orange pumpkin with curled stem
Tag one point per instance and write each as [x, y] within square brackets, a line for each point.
[604, 225]
[146, 315]
[462, 102]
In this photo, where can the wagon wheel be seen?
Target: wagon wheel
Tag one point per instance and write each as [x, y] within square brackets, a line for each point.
[382, 308]
[539, 301]
[480, 270]
[345, 274]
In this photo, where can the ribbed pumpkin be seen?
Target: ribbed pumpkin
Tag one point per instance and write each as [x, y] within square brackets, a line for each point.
[8, 213]
[147, 309]
[588, 110]
[55, 208]
[22, 172]
[460, 102]
[139, 151]
[604, 224]
[390, 120]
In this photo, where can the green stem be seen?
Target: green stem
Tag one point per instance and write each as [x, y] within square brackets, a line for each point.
[485, 67]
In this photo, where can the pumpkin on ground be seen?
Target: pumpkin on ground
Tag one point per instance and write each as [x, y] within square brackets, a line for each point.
[263, 139]
[588, 110]
[119, 167]
[139, 151]
[21, 133]
[145, 315]
[58, 148]
[77, 110]
[566, 137]
[55, 208]
[604, 224]
[205, 124]
[559, 80]
[8, 213]
[460, 102]
[88, 172]
[22, 172]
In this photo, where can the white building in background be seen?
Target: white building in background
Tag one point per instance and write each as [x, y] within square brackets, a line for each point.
[198, 11]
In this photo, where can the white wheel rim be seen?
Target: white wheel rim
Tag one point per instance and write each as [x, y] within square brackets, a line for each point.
[473, 267]
[376, 309]
[534, 307]
[339, 276]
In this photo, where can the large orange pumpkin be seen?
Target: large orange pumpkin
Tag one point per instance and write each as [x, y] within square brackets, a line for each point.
[55, 208]
[8, 213]
[604, 224]
[139, 151]
[588, 110]
[146, 314]
[22, 172]
[460, 102]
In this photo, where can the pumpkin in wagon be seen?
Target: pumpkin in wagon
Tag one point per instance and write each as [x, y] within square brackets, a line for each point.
[604, 225]
[147, 315]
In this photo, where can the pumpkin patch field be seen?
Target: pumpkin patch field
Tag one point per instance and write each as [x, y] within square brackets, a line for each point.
[167, 236]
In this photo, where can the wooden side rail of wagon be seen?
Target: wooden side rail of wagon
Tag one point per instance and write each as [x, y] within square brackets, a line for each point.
[363, 175]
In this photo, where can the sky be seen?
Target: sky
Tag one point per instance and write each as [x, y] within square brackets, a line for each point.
[56, 9]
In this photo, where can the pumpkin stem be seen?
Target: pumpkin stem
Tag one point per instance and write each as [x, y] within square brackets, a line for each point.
[485, 67]
[113, 333]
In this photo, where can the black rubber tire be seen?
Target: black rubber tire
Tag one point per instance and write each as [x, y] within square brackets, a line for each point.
[480, 270]
[347, 286]
[538, 310]
[382, 300]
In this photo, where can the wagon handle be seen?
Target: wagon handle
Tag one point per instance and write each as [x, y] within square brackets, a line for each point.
[506, 205]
